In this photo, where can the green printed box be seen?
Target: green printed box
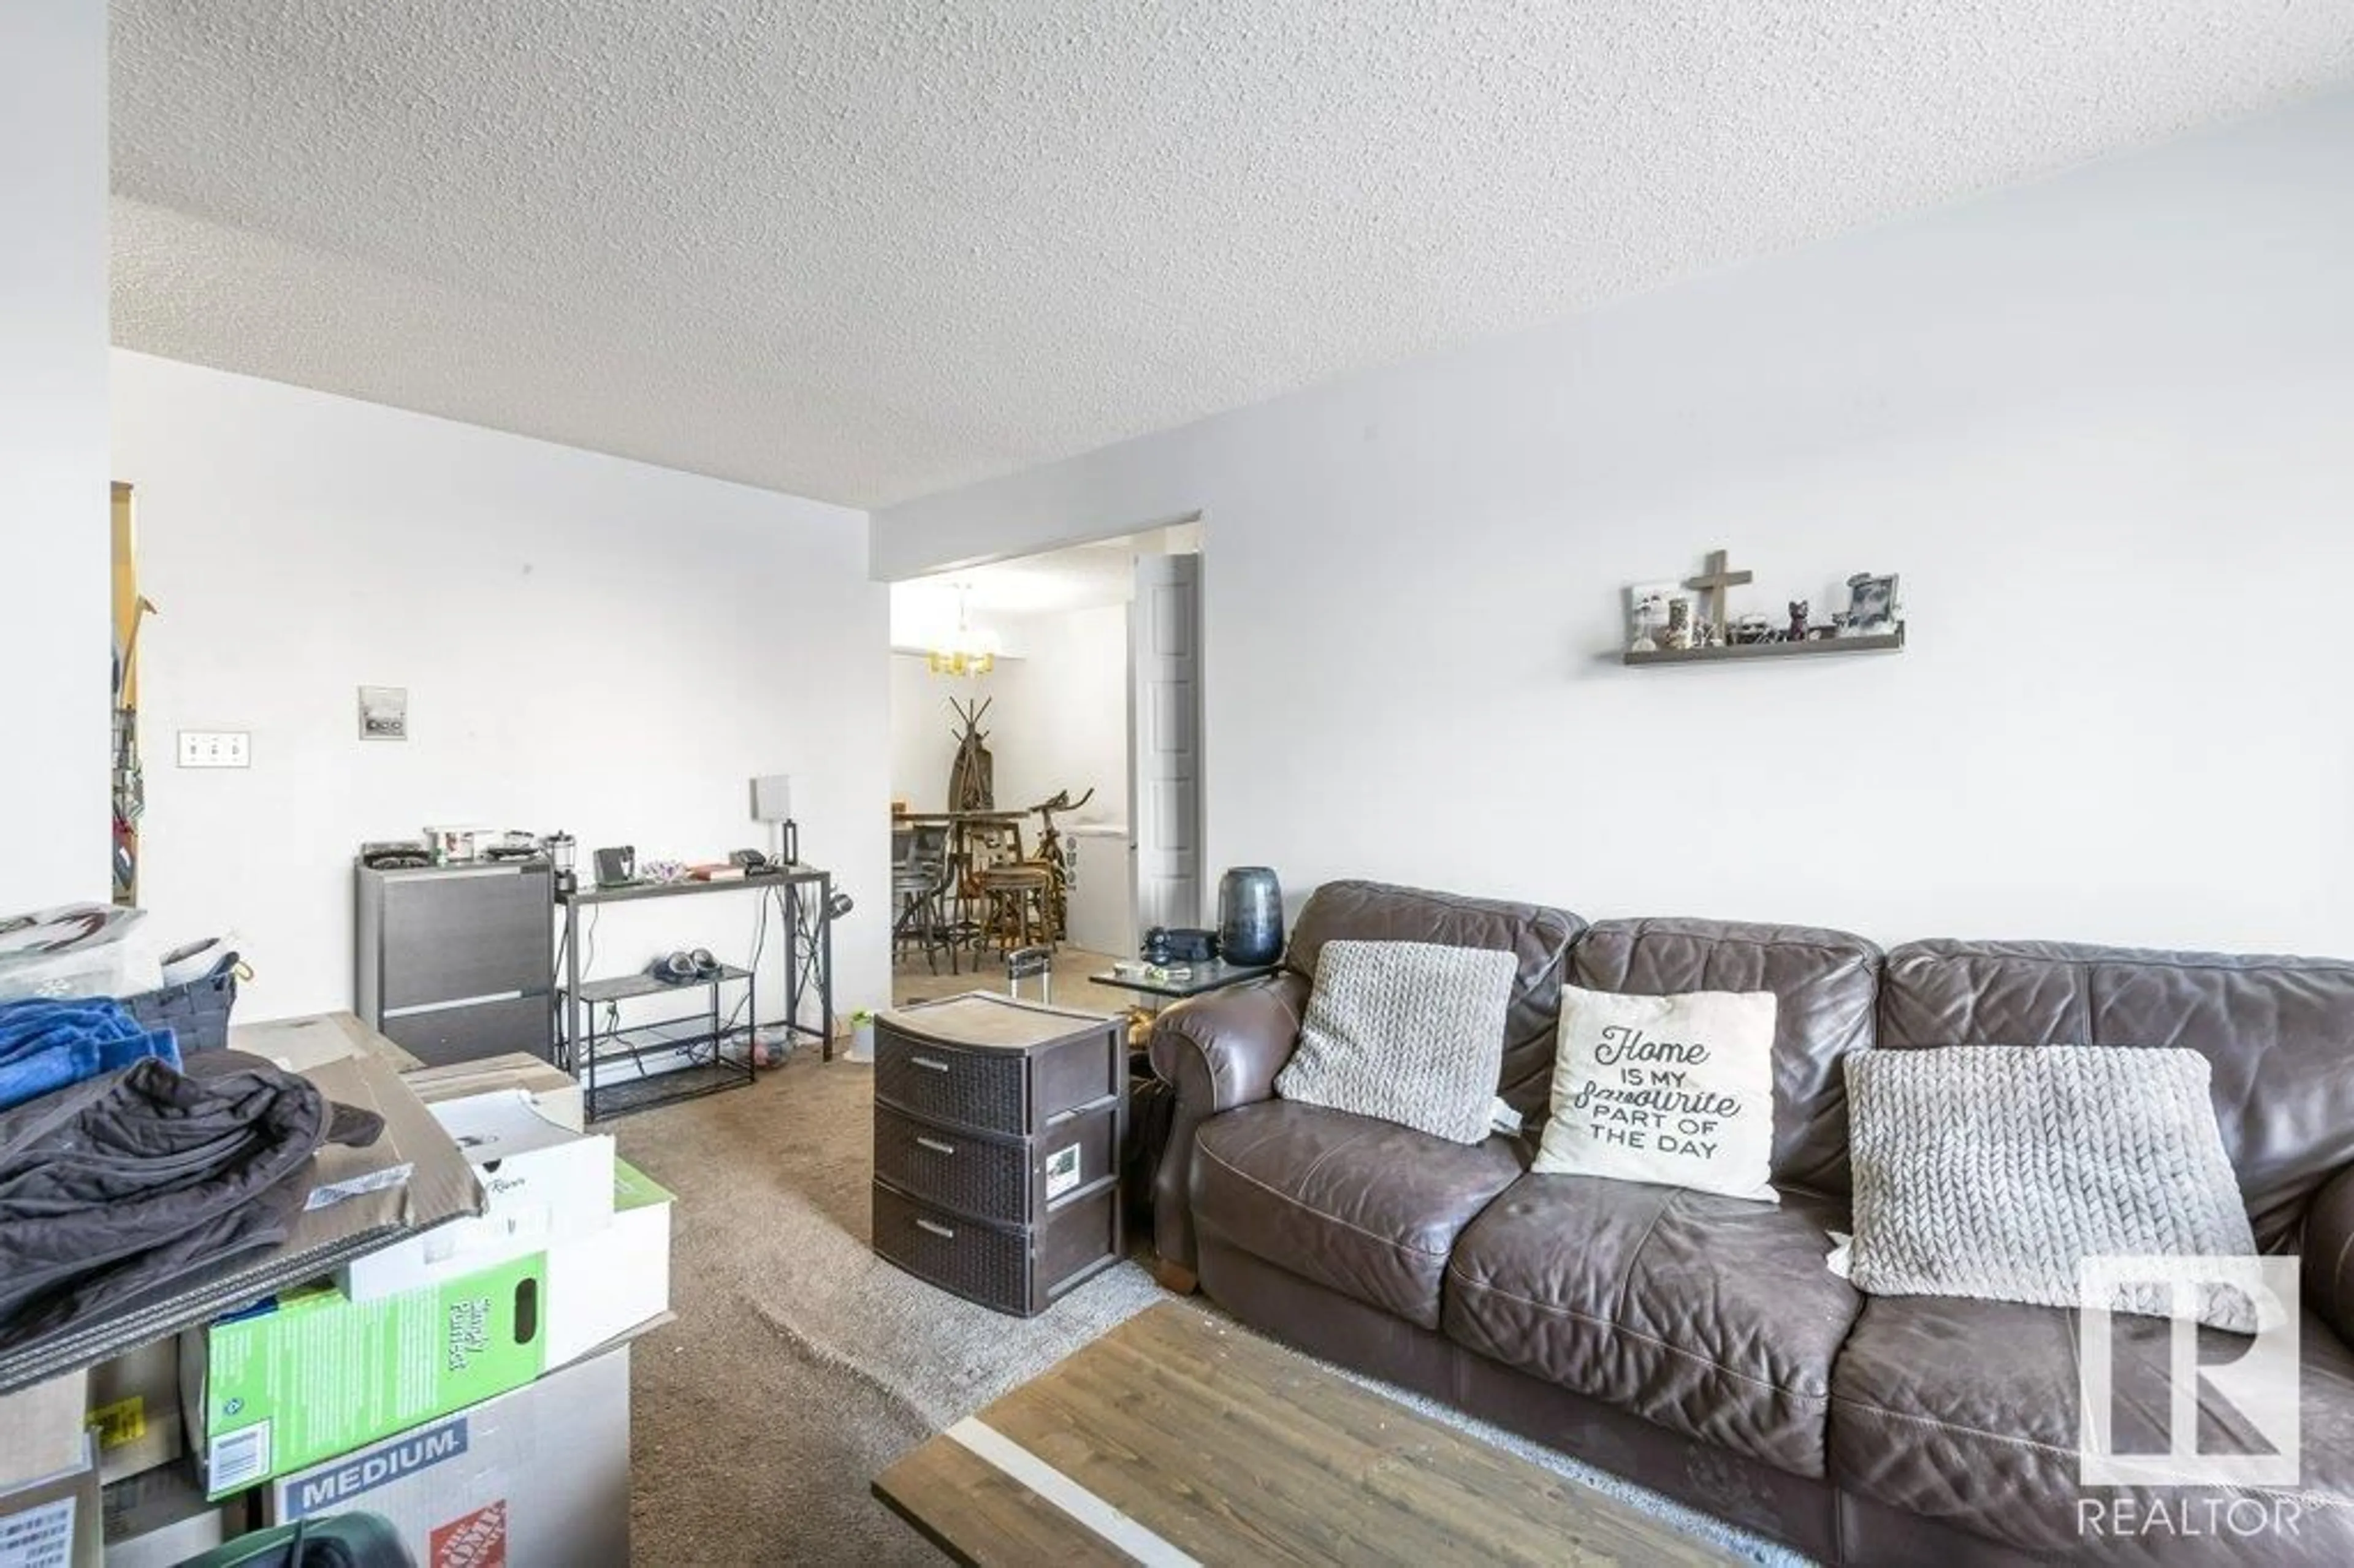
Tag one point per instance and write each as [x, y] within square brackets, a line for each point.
[314, 1374]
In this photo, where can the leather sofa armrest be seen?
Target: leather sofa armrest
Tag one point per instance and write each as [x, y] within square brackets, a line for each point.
[1225, 1049]
[2329, 1263]
[1217, 1051]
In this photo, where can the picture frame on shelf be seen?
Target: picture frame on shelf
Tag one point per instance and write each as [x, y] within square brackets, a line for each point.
[1647, 614]
[1874, 608]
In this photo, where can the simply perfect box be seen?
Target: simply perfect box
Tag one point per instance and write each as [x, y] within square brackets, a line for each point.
[312, 1374]
[319, 1374]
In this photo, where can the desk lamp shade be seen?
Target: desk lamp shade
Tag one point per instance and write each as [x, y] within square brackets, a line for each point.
[772, 802]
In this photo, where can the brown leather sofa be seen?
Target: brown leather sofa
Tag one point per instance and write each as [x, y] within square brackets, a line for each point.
[1699, 1345]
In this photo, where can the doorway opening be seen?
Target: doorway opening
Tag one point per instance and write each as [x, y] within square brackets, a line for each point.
[1045, 762]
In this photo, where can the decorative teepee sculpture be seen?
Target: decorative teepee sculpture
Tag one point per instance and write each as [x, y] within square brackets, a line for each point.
[973, 776]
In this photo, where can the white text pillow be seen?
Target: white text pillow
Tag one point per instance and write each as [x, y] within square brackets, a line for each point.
[1675, 1090]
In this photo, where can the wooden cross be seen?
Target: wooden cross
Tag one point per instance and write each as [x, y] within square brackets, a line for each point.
[1714, 586]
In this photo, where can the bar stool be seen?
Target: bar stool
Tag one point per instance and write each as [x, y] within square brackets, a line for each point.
[1016, 896]
[921, 874]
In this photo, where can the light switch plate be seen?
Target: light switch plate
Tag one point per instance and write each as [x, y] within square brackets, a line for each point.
[216, 749]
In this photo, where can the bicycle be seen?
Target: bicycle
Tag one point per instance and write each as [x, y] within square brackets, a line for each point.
[1056, 860]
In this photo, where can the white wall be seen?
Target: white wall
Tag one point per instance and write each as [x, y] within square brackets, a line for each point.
[2102, 425]
[588, 643]
[54, 633]
[1071, 696]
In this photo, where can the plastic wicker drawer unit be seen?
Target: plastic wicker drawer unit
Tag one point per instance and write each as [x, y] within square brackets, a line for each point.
[997, 1135]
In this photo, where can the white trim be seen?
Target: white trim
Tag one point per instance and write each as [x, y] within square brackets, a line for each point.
[1114, 1527]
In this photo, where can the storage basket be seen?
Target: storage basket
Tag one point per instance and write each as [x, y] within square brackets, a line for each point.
[195, 1012]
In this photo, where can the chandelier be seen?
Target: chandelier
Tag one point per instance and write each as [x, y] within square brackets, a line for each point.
[968, 653]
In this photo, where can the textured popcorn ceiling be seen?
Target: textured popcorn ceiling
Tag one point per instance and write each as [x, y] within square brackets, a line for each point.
[863, 249]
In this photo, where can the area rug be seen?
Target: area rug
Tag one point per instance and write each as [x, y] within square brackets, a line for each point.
[799, 1365]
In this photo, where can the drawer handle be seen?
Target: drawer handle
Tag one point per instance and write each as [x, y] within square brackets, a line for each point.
[938, 1230]
[936, 1146]
[935, 1066]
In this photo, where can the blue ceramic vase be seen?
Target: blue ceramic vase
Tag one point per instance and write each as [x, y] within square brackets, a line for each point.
[1250, 916]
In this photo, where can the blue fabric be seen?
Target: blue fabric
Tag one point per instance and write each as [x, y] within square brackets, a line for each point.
[48, 1045]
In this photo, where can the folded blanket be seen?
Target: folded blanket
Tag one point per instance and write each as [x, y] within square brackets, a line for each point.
[48, 1045]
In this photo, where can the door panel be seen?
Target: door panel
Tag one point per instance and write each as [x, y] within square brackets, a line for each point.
[1165, 732]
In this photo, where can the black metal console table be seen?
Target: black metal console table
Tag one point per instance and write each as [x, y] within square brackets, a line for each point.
[720, 1053]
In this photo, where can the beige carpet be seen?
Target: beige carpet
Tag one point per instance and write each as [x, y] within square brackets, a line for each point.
[799, 1365]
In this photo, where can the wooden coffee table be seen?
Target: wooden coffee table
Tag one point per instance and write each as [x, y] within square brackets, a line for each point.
[1181, 1438]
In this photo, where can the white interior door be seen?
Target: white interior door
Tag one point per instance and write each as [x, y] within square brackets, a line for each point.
[1165, 725]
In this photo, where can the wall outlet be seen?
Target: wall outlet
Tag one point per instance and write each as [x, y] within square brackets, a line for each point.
[216, 749]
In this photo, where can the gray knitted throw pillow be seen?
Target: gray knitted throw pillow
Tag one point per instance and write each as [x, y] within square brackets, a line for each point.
[1992, 1170]
[1409, 1032]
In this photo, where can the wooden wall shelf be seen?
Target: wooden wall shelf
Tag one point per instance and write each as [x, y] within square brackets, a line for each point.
[1889, 643]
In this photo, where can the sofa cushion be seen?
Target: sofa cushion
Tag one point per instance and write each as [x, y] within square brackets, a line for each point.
[1825, 986]
[1678, 1090]
[1538, 938]
[1996, 1171]
[1409, 1032]
[1365, 1207]
[2278, 1034]
[1708, 1316]
[1966, 1412]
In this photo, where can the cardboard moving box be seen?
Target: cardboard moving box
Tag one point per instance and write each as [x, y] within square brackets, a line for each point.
[605, 1284]
[553, 1092]
[134, 1411]
[542, 1182]
[540, 1475]
[410, 1179]
[314, 1374]
[41, 1429]
[160, 1518]
[53, 1522]
[49, 1478]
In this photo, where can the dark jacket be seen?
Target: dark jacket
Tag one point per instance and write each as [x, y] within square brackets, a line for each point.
[116, 1189]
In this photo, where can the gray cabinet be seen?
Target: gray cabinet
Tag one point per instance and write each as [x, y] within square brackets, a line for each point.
[457, 962]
